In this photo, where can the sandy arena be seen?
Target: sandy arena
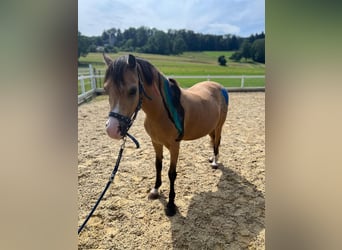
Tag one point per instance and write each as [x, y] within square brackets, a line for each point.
[217, 209]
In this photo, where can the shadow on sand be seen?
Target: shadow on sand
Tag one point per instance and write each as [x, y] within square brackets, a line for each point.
[230, 218]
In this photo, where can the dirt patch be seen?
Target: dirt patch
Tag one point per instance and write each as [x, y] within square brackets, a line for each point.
[217, 209]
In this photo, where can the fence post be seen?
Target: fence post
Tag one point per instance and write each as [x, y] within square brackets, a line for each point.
[95, 79]
[92, 78]
[82, 85]
[242, 81]
[100, 79]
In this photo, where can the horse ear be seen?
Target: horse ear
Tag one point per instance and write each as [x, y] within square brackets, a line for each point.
[107, 59]
[132, 61]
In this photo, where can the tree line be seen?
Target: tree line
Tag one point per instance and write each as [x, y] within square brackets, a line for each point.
[152, 40]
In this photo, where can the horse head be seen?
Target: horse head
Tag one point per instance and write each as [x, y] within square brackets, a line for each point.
[122, 84]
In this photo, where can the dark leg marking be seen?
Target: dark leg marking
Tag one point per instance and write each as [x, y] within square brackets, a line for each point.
[171, 207]
[154, 193]
[158, 148]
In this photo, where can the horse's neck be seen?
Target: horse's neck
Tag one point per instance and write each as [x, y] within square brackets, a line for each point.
[153, 108]
[165, 104]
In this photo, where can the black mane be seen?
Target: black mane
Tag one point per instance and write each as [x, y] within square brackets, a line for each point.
[117, 69]
[147, 70]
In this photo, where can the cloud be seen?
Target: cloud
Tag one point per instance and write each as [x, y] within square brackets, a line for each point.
[222, 28]
[241, 17]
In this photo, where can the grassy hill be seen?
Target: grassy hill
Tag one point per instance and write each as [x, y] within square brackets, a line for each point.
[190, 63]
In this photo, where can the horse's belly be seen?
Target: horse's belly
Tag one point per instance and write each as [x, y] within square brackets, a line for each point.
[202, 107]
[190, 136]
[199, 126]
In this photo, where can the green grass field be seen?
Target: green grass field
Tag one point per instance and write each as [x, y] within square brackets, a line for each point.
[189, 63]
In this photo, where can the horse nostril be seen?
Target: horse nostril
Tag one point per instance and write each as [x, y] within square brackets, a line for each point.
[107, 122]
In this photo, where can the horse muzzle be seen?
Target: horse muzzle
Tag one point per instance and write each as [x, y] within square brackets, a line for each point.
[118, 125]
[113, 128]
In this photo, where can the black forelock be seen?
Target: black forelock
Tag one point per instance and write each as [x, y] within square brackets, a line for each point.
[117, 69]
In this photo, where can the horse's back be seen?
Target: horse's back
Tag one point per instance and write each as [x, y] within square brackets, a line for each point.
[207, 92]
[204, 88]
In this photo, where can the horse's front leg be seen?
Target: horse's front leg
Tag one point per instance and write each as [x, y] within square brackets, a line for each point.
[171, 207]
[158, 148]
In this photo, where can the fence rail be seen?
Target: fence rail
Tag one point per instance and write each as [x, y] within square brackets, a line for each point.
[88, 94]
[94, 85]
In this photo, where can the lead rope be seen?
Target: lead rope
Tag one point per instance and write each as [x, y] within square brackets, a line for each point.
[111, 178]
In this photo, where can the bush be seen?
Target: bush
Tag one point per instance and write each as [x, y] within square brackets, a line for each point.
[222, 60]
[110, 49]
[236, 56]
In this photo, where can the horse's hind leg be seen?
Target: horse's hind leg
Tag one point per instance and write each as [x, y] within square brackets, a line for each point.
[158, 148]
[216, 140]
[212, 142]
[216, 146]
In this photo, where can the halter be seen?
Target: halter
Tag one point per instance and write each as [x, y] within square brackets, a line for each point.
[126, 121]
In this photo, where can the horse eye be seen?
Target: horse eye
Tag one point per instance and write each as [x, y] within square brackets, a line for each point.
[132, 91]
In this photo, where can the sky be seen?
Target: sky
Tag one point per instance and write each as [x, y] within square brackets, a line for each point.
[218, 17]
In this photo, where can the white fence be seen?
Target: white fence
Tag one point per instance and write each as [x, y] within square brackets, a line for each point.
[91, 77]
[85, 95]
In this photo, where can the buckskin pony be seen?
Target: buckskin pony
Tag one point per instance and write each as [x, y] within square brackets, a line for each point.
[172, 113]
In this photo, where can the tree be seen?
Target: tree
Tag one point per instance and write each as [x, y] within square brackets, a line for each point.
[152, 40]
[222, 60]
[234, 43]
[128, 46]
[129, 33]
[246, 50]
[83, 45]
[258, 50]
[158, 43]
[141, 36]
[105, 37]
[179, 45]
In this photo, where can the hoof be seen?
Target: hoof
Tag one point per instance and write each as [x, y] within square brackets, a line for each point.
[211, 159]
[153, 195]
[170, 209]
[214, 165]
